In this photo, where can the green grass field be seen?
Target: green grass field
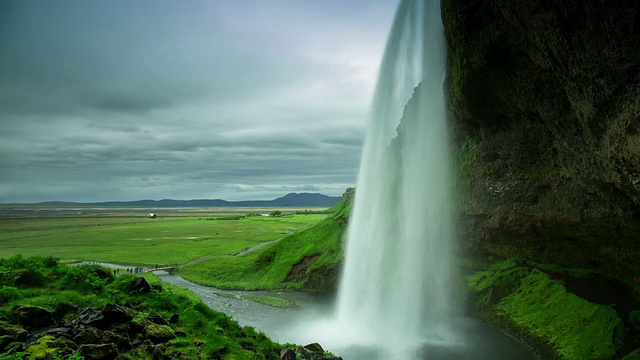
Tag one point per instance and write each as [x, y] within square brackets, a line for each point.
[274, 267]
[130, 238]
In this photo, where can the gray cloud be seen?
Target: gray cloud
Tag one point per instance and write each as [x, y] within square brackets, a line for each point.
[126, 100]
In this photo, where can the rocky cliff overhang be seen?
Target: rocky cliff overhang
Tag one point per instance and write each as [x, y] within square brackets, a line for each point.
[545, 108]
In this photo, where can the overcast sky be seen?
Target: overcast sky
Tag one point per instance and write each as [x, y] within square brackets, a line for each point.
[230, 99]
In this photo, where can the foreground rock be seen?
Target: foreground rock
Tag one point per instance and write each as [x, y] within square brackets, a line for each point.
[93, 333]
[311, 351]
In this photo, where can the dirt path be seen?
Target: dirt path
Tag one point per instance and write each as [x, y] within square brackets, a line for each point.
[242, 253]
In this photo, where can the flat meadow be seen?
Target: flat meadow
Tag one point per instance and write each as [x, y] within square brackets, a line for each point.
[129, 237]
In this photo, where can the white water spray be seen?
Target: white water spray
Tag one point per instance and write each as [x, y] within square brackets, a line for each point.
[396, 283]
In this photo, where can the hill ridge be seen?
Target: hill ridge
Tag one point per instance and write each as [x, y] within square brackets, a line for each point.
[288, 200]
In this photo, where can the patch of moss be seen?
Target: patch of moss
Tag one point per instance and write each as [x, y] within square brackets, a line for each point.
[541, 307]
[41, 349]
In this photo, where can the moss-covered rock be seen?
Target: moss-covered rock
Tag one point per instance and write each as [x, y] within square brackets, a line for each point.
[158, 333]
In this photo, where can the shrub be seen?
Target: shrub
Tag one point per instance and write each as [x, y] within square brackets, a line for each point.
[9, 293]
[84, 279]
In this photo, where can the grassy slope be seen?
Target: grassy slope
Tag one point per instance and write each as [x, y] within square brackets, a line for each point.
[171, 240]
[541, 307]
[268, 269]
[54, 287]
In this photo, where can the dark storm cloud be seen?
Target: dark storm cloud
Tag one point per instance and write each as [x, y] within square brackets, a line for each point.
[164, 99]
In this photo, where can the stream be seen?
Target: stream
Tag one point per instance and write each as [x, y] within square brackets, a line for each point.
[291, 325]
[299, 324]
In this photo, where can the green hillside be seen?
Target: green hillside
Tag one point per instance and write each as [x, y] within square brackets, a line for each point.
[307, 260]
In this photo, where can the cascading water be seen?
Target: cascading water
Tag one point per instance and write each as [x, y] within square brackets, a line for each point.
[396, 283]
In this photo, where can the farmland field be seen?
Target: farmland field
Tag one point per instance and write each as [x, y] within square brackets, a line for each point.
[127, 236]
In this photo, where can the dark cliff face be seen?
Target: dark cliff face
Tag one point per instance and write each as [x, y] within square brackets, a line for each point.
[545, 107]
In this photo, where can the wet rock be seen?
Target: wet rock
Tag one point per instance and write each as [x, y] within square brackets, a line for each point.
[137, 340]
[13, 348]
[158, 333]
[12, 333]
[122, 340]
[123, 328]
[314, 347]
[157, 319]
[92, 317]
[87, 335]
[64, 346]
[312, 351]
[159, 353]
[32, 316]
[98, 351]
[135, 327]
[63, 342]
[141, 285]
[174, 318]
[66, 332]
[287, 354]
[114, 313]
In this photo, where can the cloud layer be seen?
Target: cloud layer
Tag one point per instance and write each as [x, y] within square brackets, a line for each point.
[126, 100]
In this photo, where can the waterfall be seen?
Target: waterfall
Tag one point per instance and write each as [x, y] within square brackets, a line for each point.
[396, 282]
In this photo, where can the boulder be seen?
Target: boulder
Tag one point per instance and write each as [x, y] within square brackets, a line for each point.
[314, 347]
[13, 348]
[12, 332]
[141, 285]
[135, 327]
[64, 347]
[158, 333]
[92, 317]
[87, 335]
[66, 332]
[287, 354]
[32, 316]
[98, 351]
[114, 313]
[157, 319]
[122, 340]
[312, 351]
[160, 353]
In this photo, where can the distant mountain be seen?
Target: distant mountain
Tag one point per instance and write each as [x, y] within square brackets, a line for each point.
[300, 200]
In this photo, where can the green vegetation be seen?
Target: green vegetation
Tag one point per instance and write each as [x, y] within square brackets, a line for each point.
[307, 260]
[270, 268]
[513, 293]
[64, 291]
[169, 239]
[344, 205]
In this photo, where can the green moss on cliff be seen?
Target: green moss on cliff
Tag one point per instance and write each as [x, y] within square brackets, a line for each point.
[542, 308]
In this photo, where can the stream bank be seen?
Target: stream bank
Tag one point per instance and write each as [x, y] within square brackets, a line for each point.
[300, 324]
